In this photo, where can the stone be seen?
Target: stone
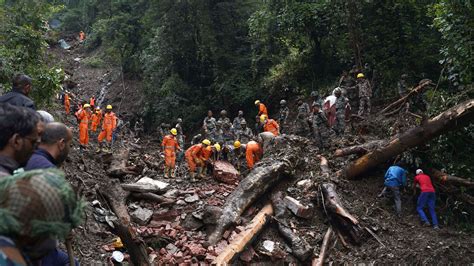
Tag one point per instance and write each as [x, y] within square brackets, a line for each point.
[191, 199]
[167, 215]
[172, 193]
[269, 245]
[191, 223]
[297, 208]
[225, 172]
[211, 214]
[141, 216]
[248, 254]
[181, 202]
[171, 248]
[304, 183]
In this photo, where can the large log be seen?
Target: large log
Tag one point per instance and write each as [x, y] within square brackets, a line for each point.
[450, 119]
[360, 149]
[245, 237]
[118, 167]
[417, 90]
[444, 178]
[116, 198]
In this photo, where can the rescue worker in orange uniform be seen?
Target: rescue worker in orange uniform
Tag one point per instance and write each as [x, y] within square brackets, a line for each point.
[67, 103]
[83, 115]
[262, 109]
[170, 146]
[253, 153]
[96, 118]
[109, 124]
[270, 125]
[211, 154]
[92, 101]
[82, 36]
[195, 158]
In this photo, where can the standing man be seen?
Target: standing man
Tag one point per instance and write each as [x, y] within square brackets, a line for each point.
[195, 158]
[54, 147]
[170, 145]
[19, 136]
[238, 121]
[92, 101]
[209, 126]
[224, 120]
[21, 88]
[228, 135]
[321, 128]
[395, 178]
[262, 109]
[180, 137]
[365, 92]
[270, 125]
[426, 198]
[340, 106]
[83, 115]
[96, 118]
[283, 116]
[245, 134]
[301, 122]
[108, 126]
[67, 103]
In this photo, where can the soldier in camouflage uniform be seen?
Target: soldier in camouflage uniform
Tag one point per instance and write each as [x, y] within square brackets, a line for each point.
[238, 121]
[209, 126]
[283, 116]
[245, 134]
[321, 128]
[219, 133]
[180, 138]
[227, 135]
[224, 119]
[301, 123]
[341, 105]
[365, 92]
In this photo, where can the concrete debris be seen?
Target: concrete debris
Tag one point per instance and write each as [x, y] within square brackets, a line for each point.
[269, 245]
[172, 249]
[141, 216]
[297, 208]
[172, 193]
[156, 183]
[191, 223]
[225, 172]
[191, 199]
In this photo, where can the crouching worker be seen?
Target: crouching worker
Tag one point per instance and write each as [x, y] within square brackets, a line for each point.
[170, 146]
[195, 158]
[395, 179]
[253, 153]
[426, 198]
[36, 208]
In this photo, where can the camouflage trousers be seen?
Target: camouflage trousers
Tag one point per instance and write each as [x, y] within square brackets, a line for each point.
[364, 106]
[321, 136]
[301, 127]
[340, 124]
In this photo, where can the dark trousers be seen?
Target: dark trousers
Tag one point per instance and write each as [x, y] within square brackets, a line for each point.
[427, 199]
[395, 193]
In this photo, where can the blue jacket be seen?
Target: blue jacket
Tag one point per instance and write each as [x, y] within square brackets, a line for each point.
[395, 177]
[18, 99]
[40, 159]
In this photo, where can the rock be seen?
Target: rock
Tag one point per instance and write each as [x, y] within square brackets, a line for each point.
[181, 202]
[248, 254]
[269, 245]
[141, 216]
[171, 248]
[304, 183]
[297, 208]
[191, 199]
[211, 214]
[172, 193]
[225, 172]
[191, 223]
[167, 215]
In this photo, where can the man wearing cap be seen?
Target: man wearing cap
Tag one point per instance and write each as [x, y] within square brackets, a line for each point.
[37, 207]
[427, 198]
[365, 92]
[245, 134]
[83, 115]
[109, 124]
[195, 158]
[170, 145]
[321, 128]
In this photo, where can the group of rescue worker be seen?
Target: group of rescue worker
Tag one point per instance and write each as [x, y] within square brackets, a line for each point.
[234, 140]
[89, 121]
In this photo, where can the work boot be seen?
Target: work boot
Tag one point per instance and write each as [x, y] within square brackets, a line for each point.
[173, 172]
[192, 177]
[202, 172]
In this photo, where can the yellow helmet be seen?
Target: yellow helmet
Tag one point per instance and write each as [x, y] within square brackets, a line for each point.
[174, 132]
[87, 105]
[217, 146]
[360, 75]
[257, 102]
[237, 144]
[206, 142]
[109, 107]
[262, 118]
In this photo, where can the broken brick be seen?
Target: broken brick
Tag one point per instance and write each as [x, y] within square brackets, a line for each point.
[226, 234]
[225, 172]
[248, 254]
[297, 208]
[165, 215]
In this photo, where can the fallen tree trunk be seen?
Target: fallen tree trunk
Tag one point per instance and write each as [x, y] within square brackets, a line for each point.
[249, 189]
[244, 237]
[417, 90]
[444, 178]
[116, 197]
[319, 261]
[360, 149]
[153, 197]
[300, 248]
[448, 120]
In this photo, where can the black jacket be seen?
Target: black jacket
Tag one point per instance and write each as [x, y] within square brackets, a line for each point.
[18, 99]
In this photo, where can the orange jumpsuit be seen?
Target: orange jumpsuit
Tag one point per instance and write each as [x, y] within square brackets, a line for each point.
[262, 109]
[95, 121]
[108, 126]
[195, 157]
[92, 101]
[253, 153]
[83, 117]
[170, 145]
[271, 126]
[67, 103]
[207, 153]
